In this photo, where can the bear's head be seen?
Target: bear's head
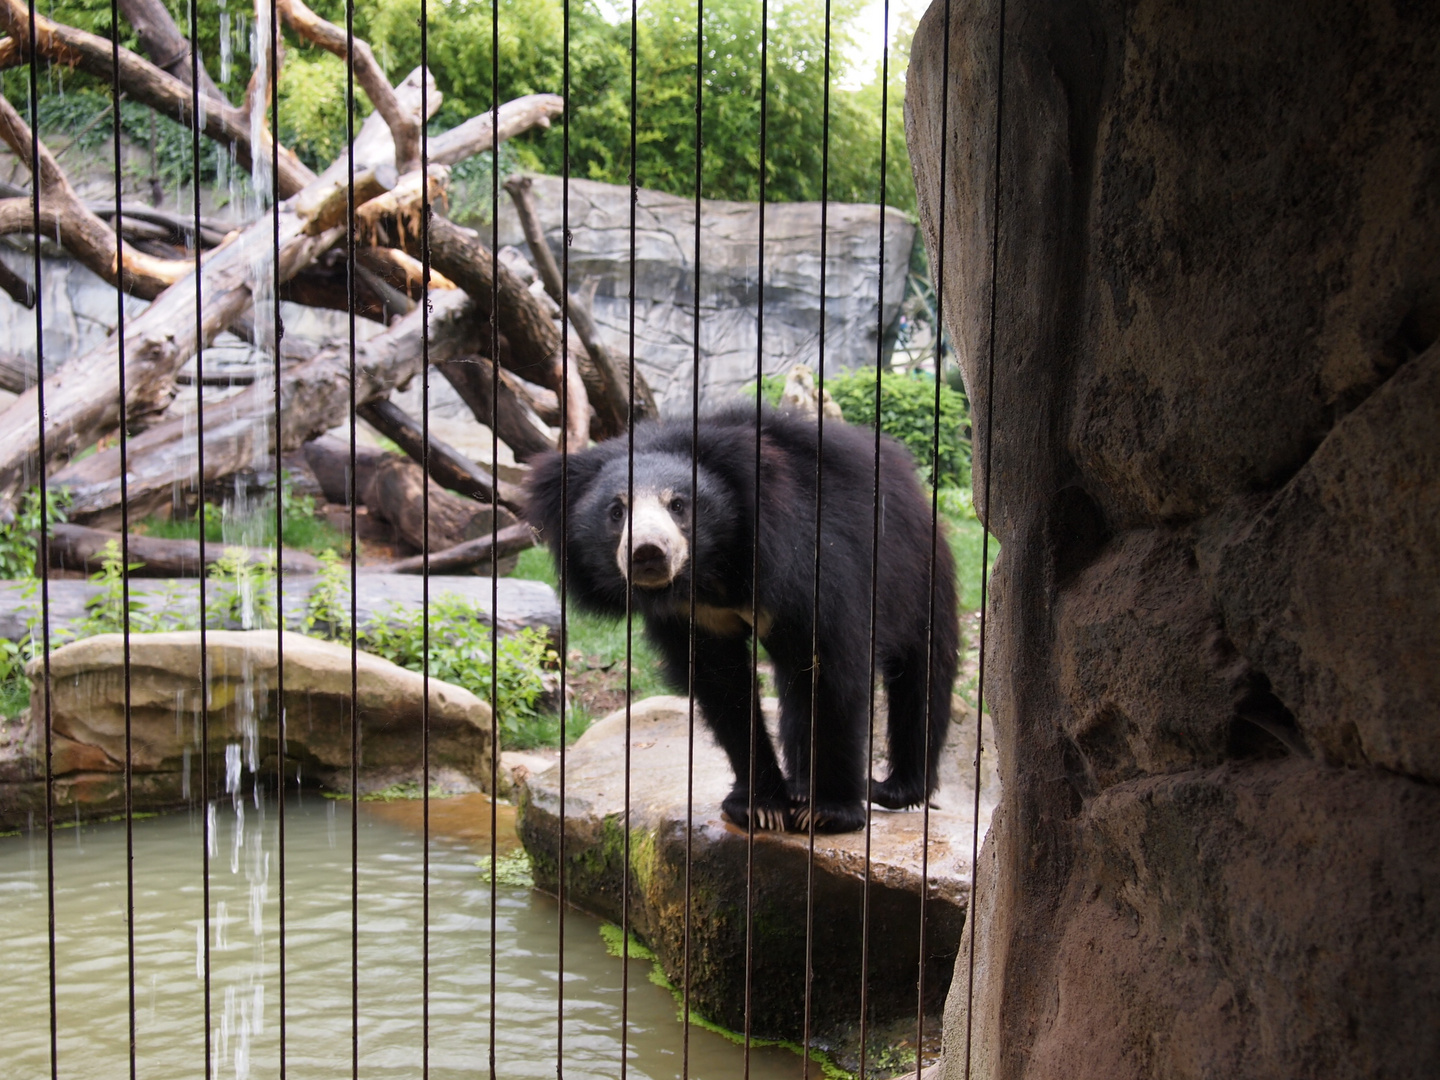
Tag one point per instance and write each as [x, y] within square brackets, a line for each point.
[629, 530]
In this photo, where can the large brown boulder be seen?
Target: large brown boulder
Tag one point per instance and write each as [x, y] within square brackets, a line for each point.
[87, 709]
[1215, 477]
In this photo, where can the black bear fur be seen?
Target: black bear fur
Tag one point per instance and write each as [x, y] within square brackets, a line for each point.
[720, 560]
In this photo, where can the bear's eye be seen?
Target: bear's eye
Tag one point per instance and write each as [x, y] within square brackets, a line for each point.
[677, 506]
[617, 512]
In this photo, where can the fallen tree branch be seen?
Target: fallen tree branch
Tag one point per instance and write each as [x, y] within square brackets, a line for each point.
[75, 547]
[476, 135]
[447, 466]
[162, 41]
[513, 417]
[144, 82]
[404, 128]
[398, 493]
[314, 397]
[81, 233]
[468, 554]
[606, 379]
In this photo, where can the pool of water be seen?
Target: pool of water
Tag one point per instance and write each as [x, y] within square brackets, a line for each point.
[92, 995]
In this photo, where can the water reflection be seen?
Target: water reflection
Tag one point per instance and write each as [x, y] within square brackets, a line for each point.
[90, 942]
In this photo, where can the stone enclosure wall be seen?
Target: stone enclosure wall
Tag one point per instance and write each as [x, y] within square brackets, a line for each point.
[1216, 486]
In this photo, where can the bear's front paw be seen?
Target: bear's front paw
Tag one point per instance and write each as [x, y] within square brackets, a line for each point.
[771, 814]
[830, 817]
[896, 794]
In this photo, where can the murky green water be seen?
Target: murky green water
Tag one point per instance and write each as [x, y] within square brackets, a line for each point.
[92, 994]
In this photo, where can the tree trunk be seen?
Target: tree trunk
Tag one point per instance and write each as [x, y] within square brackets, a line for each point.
[74, 547]
[397, 492]
[448, 467]
[329, 459]
[162, 41]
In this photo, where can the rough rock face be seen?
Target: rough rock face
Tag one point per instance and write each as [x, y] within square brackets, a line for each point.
[1216, 484]
[599, 252]
[594, 859]
[88, 717]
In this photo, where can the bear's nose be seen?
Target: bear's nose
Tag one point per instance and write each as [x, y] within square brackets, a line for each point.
[649, 556]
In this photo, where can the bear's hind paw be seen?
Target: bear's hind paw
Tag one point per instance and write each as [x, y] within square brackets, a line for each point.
[830, 817]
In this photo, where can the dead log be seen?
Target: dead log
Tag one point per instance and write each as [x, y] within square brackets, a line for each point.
[80, 400]
[478, 134]
[329, 459]
[314, 397]
[512, 416]
[397, 493]
[74, 547]
[607, 380]
[476, 555]
[448, 467]
[142, 81]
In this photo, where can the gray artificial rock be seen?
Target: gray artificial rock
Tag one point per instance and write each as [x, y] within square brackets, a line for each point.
[1212, 643]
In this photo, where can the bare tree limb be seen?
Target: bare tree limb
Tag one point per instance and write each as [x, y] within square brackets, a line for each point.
[82, 233]
[404, 128]
[469, 554]
[512, 416]
[606, 379]
[448, 467]
[144, 82]
[474, 136]
[163, 42]
[314, 395]
[76, 547]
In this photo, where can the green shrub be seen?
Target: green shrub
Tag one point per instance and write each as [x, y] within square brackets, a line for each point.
[19, 537]
[459, 649]
[907, 414]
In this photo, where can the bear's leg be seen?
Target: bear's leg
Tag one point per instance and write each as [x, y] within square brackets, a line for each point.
[837, 802]
[724, 689]
[909, 727]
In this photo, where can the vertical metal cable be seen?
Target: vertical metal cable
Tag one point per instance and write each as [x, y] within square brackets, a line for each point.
[278, 334]
[564, 559]
[629, 542]
[874, 543]
[120, 288]
[42, 549]
[694, 531]
[425, 540]
[757, 719]
[819, 515]
[354, 549]
[989, 448]
[200, 483]
[495, 508]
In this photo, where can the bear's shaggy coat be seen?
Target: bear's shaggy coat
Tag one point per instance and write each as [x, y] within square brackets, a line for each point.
[676, 534]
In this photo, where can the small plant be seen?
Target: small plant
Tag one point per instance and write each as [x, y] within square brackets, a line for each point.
[247, 593]
[327, 613]
[512, 869]
[18, 539]
[105, 611]
[459, 650]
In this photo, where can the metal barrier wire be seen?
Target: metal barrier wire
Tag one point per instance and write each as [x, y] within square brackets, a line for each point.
[271, 46]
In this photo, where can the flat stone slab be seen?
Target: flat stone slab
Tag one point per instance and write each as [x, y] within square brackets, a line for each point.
[240, 713]
[660, 768]
[521, 603]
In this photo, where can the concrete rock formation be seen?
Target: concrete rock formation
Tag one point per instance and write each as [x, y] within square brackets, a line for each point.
[1216, 483]
[87, 708]
[659, 766]
[599, 253]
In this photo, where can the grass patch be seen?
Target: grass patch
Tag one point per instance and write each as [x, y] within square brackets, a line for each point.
[512, 869]
[14, 695]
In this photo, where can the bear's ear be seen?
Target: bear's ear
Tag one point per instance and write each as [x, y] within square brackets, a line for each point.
[549, 476]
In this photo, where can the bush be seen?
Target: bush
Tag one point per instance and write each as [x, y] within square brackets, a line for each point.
[907, 413]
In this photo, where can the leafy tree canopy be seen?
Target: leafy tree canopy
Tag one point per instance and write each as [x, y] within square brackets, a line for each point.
[531, 44]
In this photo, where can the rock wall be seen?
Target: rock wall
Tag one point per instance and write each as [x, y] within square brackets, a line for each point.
[599, 218]
[1216, 485]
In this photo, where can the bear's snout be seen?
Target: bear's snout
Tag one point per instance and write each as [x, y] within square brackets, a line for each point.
[653, 548]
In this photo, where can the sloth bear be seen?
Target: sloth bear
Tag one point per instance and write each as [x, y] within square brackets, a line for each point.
[660, 534]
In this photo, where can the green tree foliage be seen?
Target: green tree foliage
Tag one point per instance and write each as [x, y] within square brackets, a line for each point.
[531, 45]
